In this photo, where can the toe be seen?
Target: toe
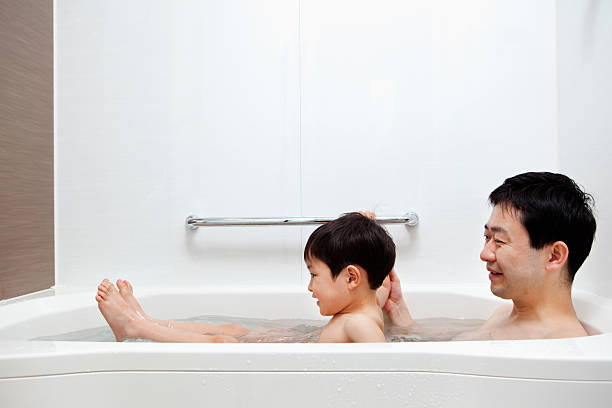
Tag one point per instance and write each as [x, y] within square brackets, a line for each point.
[123, 286]
[112, 288]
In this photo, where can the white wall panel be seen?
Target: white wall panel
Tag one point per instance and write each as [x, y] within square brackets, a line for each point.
[171, 108]
[269, 108]
[585, 64]
[426, 106]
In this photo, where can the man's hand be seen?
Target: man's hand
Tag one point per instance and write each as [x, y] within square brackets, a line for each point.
[368, 214]
[393, 292]
[389, 295]
[382, 293]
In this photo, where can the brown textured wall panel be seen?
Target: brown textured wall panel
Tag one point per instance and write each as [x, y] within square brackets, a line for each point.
[26, 146]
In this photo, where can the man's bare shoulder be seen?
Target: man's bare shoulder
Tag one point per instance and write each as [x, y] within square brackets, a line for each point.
[571, 329]
[502, 325]
[497, 319]
[499, 315]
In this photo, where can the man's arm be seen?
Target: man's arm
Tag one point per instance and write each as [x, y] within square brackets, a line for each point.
[394, 305]
[389, 296]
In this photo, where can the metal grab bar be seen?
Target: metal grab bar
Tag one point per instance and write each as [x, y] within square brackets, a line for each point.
[193, 222]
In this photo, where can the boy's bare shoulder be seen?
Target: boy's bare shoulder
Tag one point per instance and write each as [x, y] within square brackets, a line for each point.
[363, 328]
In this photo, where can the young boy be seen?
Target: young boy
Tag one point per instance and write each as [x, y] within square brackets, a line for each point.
[348, 259]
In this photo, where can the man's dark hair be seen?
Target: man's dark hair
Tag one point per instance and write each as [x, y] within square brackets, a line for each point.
[353, 239]
[551, 207]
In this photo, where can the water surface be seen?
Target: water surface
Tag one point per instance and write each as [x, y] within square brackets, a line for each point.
[294, 330]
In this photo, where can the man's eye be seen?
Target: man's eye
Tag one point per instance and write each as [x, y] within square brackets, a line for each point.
[497, 241]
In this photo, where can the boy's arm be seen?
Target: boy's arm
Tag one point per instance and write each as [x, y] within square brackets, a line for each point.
[362, 329]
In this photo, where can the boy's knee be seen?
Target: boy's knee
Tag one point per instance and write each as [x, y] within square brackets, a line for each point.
[235, 330]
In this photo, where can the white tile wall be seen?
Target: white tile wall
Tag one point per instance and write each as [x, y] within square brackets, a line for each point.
[425, 106]
[266, 108]
[168, 109]
[585, 117]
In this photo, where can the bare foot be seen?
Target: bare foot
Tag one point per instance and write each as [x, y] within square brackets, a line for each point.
[115, 310]
[127, 293]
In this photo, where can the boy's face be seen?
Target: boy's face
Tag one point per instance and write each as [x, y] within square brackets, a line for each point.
[332, 294]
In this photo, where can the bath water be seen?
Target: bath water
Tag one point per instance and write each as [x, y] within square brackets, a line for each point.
[294, 330]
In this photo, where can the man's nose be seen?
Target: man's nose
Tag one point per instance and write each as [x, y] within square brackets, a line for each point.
[487, 254]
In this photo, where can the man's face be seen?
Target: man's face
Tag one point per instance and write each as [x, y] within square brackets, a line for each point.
[515, 269]
[332, 294]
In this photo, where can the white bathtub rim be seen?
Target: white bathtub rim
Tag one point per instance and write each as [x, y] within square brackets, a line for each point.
[585, 358]
[590, 359]
[62, 299]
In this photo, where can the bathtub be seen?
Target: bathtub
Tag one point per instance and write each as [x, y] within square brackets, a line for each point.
[563, 373]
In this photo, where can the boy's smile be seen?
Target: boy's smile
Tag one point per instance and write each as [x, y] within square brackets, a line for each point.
[332, 294]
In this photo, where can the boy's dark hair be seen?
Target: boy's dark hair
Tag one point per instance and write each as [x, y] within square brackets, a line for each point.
[353, 239]
[551, 207]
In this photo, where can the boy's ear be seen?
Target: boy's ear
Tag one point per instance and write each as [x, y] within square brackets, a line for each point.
[354, 276]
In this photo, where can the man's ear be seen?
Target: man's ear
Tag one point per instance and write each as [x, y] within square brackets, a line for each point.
[557, 256]
[354, 275]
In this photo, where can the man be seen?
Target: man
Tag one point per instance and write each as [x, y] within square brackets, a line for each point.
[539, 233]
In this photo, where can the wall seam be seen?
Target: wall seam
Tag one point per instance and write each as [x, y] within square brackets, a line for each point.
[300, 181]
[55, 160]
[558, 89]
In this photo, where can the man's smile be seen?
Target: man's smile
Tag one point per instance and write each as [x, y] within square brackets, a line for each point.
[493, 274]
[493, 271]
